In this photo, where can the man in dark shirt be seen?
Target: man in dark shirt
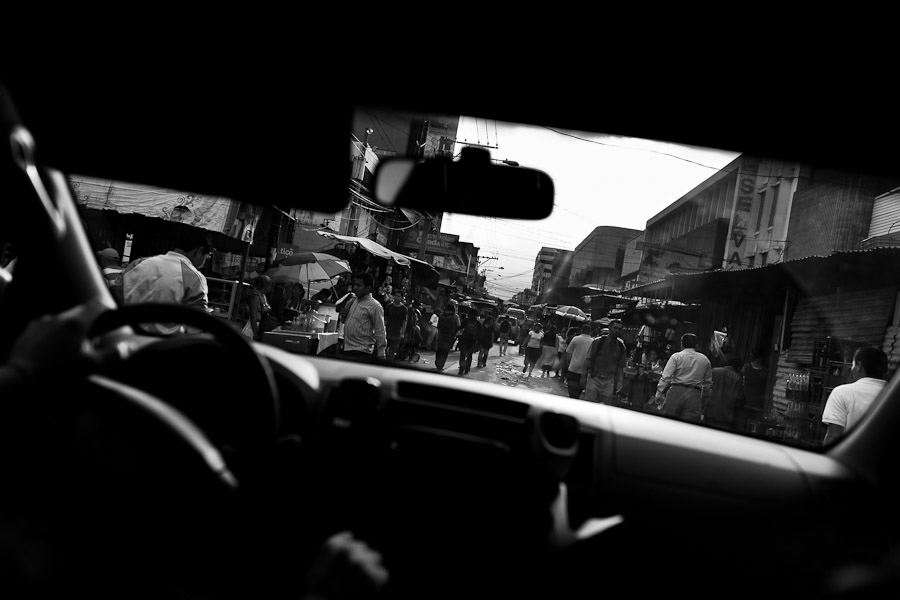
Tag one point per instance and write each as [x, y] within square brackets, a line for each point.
[605, 366]
[470, 332]
[395, 323]
[727, 391]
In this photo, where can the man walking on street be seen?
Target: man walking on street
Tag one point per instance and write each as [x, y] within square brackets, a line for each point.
[364, 335]
[431, 342]
[448, 325]
[395, 323]
[727, 392]
[468, 340]
[485, 340]
[605, 366]
[504, 335]
[686, 382]
[577, 353]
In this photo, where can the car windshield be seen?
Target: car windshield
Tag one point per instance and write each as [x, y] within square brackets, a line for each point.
[666, 273]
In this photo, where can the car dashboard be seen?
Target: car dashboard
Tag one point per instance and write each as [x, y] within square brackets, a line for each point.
[416, 447]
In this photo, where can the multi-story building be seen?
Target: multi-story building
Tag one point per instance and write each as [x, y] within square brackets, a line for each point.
[526, 297]
[597, 261]
[560, 271]
[690, 234]
[763, 201]
[838, 211]
[543, 268]
[776, 285]
[736, 219]
[631, 263]
[375, 135]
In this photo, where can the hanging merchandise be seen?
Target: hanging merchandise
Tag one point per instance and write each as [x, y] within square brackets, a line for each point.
[720, 344]
[727, 346]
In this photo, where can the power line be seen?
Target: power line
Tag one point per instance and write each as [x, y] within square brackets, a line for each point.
[810, 178]
[630, 148]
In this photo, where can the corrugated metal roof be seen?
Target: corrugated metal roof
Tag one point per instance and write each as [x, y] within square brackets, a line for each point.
[885, 215]
[860, 316]
[809, 274]
[896, 189]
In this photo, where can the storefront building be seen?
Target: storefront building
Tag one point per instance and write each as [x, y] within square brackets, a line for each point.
[791, 310]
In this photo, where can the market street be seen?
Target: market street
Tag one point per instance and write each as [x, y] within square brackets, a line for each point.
[503, 370]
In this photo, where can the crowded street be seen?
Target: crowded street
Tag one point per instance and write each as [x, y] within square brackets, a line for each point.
[503, 370]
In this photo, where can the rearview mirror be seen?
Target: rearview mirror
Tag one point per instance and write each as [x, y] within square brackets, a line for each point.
[470, 185]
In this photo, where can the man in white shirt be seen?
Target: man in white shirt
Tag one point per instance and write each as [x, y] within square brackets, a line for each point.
[173, 277]
[577, 352]
[847, 403]
[686, 382]
[431, 341]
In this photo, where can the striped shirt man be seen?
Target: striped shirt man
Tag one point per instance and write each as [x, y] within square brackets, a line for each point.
[364, 327]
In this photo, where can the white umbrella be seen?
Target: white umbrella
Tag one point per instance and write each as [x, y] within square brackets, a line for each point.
[307, 267]
[572, 312]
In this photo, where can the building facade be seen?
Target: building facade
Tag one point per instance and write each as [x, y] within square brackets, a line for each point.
[597, 261]
[560, 272]
[835, 212]
[764, 199]
[524, 298]
[737, 219]
[543, 268]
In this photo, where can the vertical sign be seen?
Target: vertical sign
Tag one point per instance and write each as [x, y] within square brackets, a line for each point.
[740, 216]
[126, 252]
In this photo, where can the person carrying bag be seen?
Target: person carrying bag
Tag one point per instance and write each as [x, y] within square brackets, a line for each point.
[261, 318]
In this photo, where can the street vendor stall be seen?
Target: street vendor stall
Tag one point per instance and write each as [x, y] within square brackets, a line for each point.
[313, 332]
[423, 274]
[225, 298]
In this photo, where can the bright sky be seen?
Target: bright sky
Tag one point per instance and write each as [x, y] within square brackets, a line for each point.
[599, 180]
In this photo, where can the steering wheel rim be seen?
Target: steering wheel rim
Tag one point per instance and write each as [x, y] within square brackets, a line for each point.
[256, 365]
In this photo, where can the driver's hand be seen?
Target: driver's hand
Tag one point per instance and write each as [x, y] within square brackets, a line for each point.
[56, 346]
[345, 568]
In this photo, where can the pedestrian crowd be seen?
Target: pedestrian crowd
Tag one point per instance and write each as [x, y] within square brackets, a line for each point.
[591, 363]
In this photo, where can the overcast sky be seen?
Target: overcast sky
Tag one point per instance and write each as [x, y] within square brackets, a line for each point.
[599, 180]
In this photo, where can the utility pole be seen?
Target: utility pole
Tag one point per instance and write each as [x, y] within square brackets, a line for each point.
[426, 229]
[478, 264]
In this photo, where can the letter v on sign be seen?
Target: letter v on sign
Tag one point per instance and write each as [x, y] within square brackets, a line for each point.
[738, 238]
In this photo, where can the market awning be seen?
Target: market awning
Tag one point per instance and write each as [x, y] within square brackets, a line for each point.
[423, 273]
[213, 213]
[810, 276]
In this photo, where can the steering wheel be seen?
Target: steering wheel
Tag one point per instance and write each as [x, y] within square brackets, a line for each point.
[168, 369]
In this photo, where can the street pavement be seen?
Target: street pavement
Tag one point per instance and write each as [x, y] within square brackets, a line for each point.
[502, 370]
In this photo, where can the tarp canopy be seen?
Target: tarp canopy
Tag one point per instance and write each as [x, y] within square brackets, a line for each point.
[423, 273]
[213, 213]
